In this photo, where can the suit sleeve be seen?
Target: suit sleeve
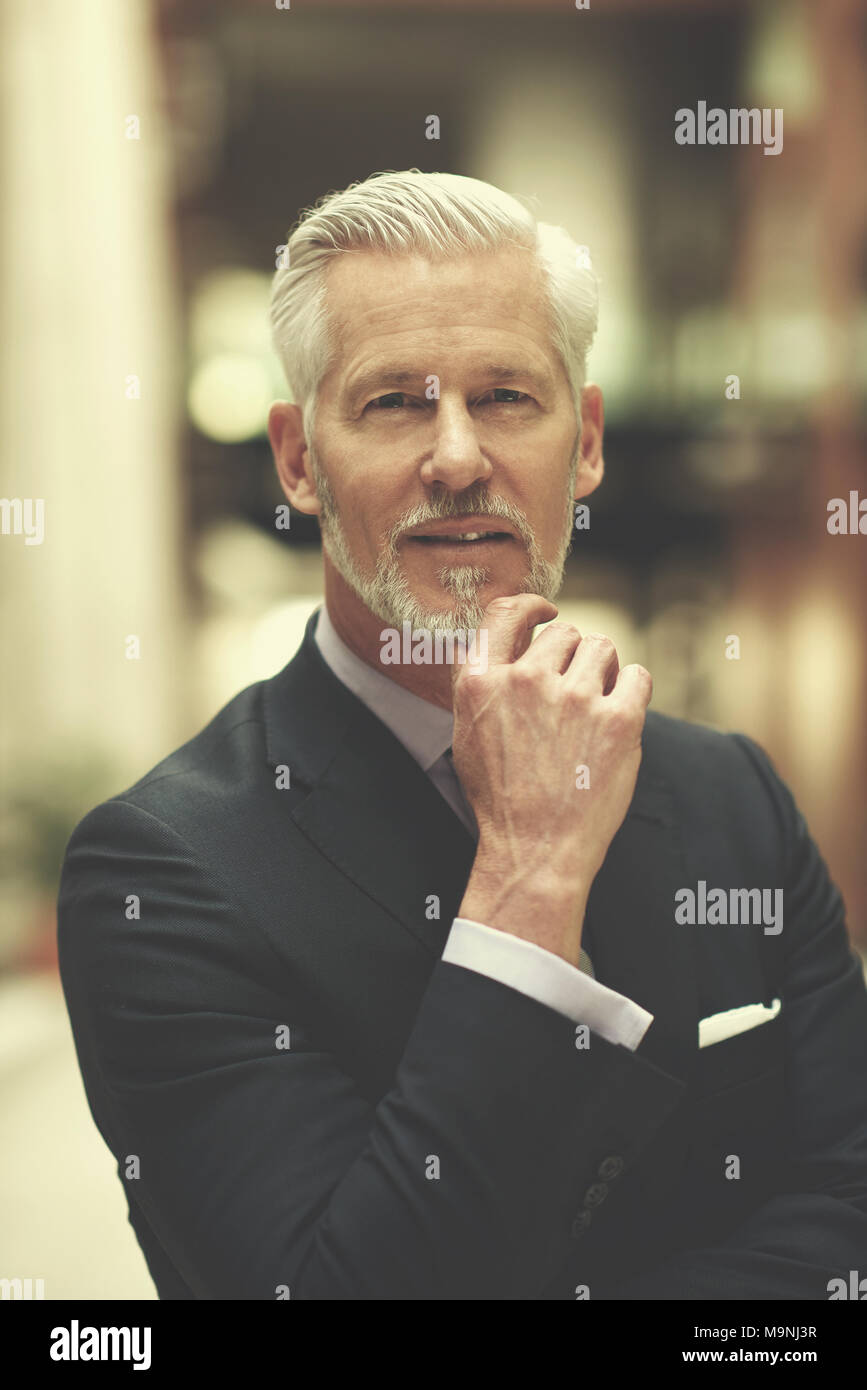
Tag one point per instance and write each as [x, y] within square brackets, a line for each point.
[816, 1229]
[544, 976]
[262, 1168]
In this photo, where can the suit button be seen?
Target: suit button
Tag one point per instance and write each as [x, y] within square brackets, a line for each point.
[581, 1222]
[611, 1167]
[595, 1194]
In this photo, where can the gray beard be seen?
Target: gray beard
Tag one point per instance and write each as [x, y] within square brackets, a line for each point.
[387, 594]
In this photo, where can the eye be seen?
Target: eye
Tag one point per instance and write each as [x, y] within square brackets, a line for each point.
[507, 391]
[394, 400]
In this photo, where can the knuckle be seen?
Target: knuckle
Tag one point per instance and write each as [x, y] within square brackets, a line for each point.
[470, 685]
[467, 692]
[576, 696]
[599, 639]
[618, 719]
[644, 677]
[626, 717]
[505, 603]
[522, 677]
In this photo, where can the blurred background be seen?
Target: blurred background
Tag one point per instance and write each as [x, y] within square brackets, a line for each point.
[153, 159]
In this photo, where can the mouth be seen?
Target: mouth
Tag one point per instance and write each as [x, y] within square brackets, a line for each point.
[453, 535]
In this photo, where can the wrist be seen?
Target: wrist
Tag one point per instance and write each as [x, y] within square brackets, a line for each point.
[540, 870]
[532, 900]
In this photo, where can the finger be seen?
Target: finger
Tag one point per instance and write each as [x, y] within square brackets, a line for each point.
[510, 622]
[634, 687]
[595, 665]
[553, 649]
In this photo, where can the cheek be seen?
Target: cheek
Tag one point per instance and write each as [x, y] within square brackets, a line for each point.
[558, 514]
[354, 492]
[370, 482]
[369, 511]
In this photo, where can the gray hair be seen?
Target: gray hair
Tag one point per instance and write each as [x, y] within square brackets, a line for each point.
[436, 216]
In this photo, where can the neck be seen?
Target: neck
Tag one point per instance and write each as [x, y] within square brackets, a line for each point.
[362, 632]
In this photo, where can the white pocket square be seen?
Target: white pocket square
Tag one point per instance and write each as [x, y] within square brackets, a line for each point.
[732, 1021]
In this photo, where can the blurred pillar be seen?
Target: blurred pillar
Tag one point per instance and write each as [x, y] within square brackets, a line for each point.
[87, 394]
[537, 120]
[808, 589]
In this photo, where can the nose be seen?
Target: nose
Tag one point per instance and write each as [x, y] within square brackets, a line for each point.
[457, 460]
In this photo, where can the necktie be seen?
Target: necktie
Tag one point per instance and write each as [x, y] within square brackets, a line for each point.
[468, 817]
[584, 963]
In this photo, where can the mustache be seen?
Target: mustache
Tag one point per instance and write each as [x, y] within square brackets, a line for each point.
[473, 502]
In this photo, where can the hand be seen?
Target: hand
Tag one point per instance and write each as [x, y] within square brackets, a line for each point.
[523, 726]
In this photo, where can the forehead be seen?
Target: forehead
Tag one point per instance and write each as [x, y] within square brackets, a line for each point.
[379, 303]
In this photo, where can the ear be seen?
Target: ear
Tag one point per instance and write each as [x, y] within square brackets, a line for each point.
[591, 464]
[291, 457]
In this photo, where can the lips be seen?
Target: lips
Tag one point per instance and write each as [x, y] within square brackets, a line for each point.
[467, 531]
[466, 538]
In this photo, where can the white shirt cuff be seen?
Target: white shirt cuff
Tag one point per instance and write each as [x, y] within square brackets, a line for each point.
[548, 978]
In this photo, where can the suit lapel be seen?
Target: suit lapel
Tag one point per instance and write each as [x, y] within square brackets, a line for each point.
[370, 807]
[367, 805]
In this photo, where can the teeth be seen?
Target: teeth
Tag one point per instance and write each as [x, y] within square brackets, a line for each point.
[464, 536]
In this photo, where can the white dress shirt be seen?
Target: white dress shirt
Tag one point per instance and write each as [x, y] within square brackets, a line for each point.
[425, 730]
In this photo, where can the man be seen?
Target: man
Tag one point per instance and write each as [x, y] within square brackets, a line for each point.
[411, 1002]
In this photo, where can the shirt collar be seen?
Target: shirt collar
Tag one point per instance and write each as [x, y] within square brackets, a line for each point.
[424, 729]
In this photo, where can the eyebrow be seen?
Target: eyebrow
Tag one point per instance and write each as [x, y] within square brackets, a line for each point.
[391, 375]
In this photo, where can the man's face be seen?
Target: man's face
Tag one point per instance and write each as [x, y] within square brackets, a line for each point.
[446, 410]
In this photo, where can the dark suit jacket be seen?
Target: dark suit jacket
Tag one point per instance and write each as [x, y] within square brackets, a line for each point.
[429, 1133]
